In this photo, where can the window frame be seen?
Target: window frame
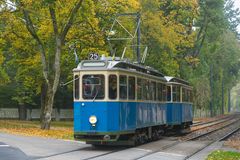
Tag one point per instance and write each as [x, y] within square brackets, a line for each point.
[169, 89]
[152, 89]
[139, 89]
[120, 87]
[78, 88]
[134, 88]
[103, 86]
[108, 85]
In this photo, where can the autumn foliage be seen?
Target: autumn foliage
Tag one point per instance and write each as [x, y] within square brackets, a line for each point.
[192, 39]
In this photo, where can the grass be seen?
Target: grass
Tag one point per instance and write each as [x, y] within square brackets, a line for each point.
[224, 155]
[59, 130]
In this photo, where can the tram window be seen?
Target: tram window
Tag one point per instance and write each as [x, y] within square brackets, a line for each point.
[131, 87]
[153, 91]
[139, 89]
[169, 94]
[176, 93]
[148, 90]
[164, 92]
[93, 86]
[159, 90]
[145, 89]
[76, 87]
[183, 94]
[112, 89]
[123, 87]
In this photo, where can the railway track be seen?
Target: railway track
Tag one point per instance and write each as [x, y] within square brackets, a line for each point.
[203, 125]
[226, 122]
[146, 151]
[219, 138]
[208, 122]
[194, 134]
[206, 134]
[105, 154]
[230, 134]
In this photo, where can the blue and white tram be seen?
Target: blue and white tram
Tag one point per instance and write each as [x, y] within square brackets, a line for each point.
[179, 104]
[118, 102]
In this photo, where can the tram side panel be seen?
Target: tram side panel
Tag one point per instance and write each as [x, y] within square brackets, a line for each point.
[174, 113]
[107, 117]
[187, 115]
[77, 115]
[127, 116]
[150, 114]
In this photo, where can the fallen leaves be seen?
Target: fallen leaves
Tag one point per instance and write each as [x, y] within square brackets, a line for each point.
[59, 130]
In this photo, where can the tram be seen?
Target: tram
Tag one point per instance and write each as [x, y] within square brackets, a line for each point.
[123, 103]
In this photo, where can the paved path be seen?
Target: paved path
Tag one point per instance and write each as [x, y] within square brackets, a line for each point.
[34, 147]
[10, 153]
[14, 147]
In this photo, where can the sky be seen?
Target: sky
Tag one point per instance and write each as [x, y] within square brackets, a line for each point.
[237, 5]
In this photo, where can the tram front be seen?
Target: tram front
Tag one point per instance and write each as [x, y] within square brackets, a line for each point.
[95, 117]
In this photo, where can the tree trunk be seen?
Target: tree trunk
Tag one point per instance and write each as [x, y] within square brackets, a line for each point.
[22, 112]
[43, 100]
[51, 89]
[47, 114]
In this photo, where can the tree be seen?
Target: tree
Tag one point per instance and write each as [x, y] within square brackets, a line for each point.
[167, 31]
[50, 68]
[232, 15]
[45, 36]
[3, 75]
[217, 49]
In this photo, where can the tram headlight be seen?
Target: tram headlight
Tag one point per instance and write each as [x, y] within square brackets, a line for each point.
[93, 120]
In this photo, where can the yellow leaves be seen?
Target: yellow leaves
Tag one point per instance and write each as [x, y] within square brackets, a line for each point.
[168, 29]
[131, 5]
[27, 2]
[192, 60]
[1, 58]
[45, 29]
[119, 6]
[184, 3]
[2, 41]
[53, 133]
[3, 75]
[32, 129]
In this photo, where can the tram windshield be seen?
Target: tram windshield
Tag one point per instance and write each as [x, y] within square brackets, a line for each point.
[93, 87]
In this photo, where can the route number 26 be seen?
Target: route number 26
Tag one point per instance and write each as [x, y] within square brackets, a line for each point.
[93, 56]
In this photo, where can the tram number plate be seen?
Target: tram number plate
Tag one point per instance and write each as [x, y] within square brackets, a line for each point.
[93, 56]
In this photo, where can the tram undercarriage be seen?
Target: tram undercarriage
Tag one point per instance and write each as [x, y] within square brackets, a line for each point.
[138, 137]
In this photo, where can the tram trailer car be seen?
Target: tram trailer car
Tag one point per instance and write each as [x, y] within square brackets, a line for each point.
[118, 102]
[179, 104]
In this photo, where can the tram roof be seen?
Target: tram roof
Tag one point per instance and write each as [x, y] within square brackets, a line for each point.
[116, 64]
[110, 64]
[176, 80]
